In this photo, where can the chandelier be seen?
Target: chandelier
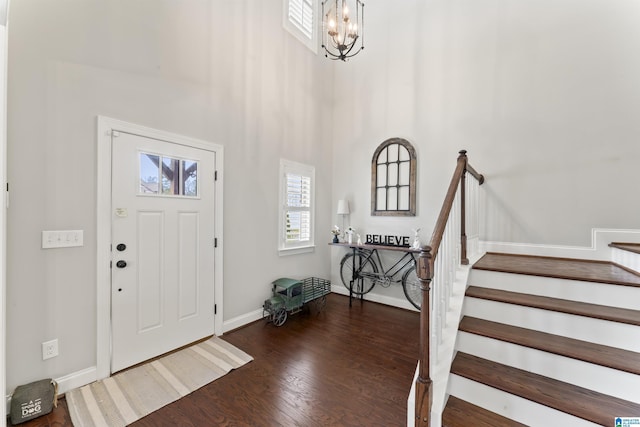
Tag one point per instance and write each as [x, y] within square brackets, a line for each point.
[342, 36]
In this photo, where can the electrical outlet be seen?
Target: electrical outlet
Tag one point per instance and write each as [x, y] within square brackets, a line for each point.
[49, 349]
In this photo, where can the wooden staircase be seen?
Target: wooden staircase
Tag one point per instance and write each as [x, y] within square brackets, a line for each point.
[545, 342]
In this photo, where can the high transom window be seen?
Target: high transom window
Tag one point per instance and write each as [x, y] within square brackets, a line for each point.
[299, 18]
[301, 15]
[393, 179]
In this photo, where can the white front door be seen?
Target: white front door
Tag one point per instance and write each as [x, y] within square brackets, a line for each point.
[162, 277]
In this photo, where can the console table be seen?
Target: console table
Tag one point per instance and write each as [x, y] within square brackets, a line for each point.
[386, 274]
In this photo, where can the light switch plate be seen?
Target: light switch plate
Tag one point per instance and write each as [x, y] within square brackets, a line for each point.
[62, 239]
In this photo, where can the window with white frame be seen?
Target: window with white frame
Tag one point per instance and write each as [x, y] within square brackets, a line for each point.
[299, 18]
[296, 207]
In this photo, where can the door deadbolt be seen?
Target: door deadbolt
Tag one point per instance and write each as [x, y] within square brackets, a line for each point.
[121, 247]
[121, 264]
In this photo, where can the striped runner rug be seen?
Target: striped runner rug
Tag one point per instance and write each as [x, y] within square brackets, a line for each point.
[130, 395]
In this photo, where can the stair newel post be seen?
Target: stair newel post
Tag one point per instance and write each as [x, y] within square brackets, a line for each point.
[424, 393]
[463, 199]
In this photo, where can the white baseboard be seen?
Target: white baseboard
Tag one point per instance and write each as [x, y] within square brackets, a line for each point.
[598, 250]
[382, 299]
[89, 375]
[245, 319]
[252, 316]
[76, 379]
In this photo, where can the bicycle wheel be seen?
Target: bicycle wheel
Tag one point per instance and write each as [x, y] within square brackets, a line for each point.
[366, 273]
[411, 287]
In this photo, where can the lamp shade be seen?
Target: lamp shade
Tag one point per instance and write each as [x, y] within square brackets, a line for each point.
[343, 207]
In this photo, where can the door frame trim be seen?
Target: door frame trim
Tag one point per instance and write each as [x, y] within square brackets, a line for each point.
[105, 126]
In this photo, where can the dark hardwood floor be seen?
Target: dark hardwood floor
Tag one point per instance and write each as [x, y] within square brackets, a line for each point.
[341, 367]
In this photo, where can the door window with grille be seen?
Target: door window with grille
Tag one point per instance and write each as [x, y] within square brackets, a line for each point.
[166, 176]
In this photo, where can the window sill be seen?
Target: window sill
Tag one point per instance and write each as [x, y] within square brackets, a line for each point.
[296, 251]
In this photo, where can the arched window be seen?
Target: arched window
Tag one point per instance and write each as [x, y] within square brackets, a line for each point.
[393, 179]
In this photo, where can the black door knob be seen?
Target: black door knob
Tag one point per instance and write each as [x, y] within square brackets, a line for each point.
[121, 264]
[121, 247]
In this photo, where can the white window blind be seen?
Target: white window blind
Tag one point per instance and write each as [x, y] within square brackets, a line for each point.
[301, 15]
[298, 225]
[296, 213]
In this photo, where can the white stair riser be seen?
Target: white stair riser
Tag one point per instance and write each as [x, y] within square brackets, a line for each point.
[626, 259]
[511, 406]
[598, 331]
[574, 290]
[582, 374]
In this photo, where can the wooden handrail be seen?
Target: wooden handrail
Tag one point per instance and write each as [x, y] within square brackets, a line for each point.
[441, 223]
[426, 263]
[474, 173]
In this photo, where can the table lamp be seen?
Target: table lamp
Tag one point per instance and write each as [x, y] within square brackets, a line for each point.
[343, 209]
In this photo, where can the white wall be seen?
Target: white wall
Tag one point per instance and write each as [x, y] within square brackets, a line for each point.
[543, 94]
[220, 71]
[4, 5]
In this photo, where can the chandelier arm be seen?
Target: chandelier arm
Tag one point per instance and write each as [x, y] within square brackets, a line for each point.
[334, 43]
[333, 55]
[343, 53]
[362, 25]
[353, 43]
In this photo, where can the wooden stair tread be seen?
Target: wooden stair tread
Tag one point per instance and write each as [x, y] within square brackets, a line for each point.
[629, 247]
[614, 314]
[580, 402]
[562, 268]
[611, 357]
[460, 413]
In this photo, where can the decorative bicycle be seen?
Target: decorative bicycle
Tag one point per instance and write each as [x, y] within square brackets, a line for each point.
[362, 269]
